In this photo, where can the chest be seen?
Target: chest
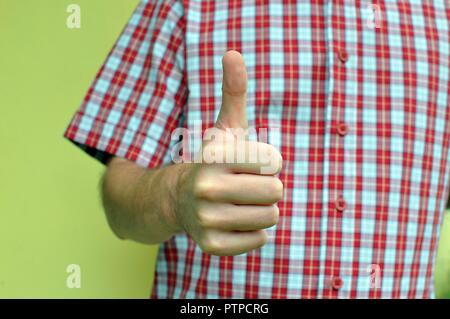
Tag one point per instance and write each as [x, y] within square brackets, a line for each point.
[325, 57]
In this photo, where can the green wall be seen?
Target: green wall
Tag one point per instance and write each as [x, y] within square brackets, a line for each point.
[442, 274]
[50, 215]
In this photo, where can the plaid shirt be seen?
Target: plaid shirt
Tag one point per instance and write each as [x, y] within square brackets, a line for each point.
[358, 95]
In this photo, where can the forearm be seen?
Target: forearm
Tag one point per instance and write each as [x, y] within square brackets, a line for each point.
[139, 202]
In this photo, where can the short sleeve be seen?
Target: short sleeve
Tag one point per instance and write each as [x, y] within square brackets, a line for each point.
[138, 96]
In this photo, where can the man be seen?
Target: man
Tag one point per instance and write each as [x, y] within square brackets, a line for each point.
[353, 94]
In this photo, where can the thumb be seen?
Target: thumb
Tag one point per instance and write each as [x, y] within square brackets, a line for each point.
[234, 92]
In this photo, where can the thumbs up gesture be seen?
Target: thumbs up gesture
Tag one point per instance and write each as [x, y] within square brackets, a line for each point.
[226, 202]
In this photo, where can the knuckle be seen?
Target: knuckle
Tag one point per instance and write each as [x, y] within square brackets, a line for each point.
[276, 159]
[280, 162]
[274, 215]
[211, 245]
[271, 159]
[214, 151]
[205, 245]
[204, 219]
[204, 188]
[272, 150]
[263, 238]
[276, 189]
[199, 184]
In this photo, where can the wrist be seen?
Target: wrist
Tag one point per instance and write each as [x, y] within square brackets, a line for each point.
[174, 180]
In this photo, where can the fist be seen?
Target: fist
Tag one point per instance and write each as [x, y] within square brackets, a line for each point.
[226, 202]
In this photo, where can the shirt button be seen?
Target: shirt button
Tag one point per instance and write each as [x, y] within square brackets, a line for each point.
[337, 283]
[340, 204]
[343, 55]
[342, 129]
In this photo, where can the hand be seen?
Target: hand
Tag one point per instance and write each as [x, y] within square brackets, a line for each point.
[226, 205]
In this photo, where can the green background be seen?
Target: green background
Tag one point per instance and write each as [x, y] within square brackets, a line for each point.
[50, 214]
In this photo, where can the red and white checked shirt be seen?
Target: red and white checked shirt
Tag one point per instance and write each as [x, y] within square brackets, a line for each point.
[357, 93]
